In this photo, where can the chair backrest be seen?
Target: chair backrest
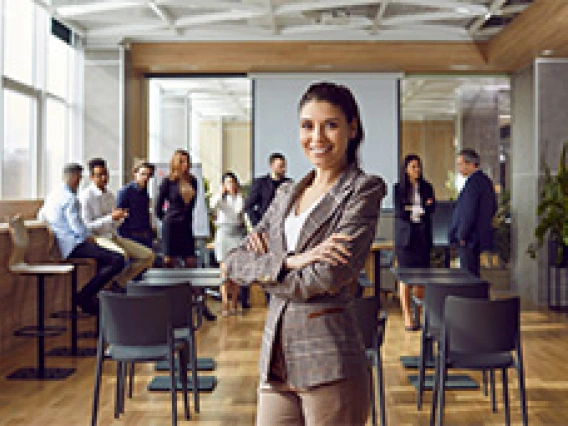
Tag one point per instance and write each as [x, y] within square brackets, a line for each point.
[435, 297]
[482, 326]
[178, 295]
[367, 315]
[20, 241]
[135, 320]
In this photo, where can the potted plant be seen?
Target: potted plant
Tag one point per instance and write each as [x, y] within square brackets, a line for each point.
[552, 212]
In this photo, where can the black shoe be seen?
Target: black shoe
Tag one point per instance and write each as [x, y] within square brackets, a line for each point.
[209, 316]
[116, 288]
[245, 305]
[88, 306]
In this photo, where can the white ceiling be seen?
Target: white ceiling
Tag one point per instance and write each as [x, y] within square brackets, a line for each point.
[211, 98]
[115, 21]
[441, 98]
[428, 98]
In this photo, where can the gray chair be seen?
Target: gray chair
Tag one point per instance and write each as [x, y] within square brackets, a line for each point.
[136, 329]
[181, 305]
[480, 334]
[372, 326]
[434, 299]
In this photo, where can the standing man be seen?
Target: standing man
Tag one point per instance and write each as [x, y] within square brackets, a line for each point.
[260, 196]
[134, 198]
[103, 218]
[61, 210]
[472, 228]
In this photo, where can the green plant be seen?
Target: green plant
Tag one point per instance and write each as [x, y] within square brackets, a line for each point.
[552, 209]
[502, 225]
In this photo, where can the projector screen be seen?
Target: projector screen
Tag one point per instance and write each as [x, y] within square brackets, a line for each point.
[276, 124]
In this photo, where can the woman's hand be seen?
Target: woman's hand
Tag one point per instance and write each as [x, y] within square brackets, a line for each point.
[257, 243]
[331, 251]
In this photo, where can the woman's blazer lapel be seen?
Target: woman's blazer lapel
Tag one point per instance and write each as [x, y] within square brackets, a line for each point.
[326, 207]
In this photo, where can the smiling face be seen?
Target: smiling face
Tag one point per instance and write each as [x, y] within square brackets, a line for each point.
[325, 134]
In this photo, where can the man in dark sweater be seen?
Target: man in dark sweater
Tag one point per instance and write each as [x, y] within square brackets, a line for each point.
[134, 197]
[260, 196]
[471, 228]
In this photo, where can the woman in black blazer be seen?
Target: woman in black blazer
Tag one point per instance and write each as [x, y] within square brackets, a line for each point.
[414, 204]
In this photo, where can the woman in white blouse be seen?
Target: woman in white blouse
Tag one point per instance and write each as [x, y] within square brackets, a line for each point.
[228, 206]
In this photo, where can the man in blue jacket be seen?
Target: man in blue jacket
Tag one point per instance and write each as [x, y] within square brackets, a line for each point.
[472, 228]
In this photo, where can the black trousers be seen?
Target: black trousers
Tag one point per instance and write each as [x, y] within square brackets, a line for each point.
[469, 259]
[109, 264]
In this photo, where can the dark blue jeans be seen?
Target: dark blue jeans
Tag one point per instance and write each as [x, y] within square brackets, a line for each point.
[109, 264]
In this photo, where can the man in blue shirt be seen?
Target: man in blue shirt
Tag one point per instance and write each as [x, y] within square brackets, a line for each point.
[61, 210]
[134, 197]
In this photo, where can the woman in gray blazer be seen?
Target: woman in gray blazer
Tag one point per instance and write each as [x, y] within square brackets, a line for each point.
[307, 252]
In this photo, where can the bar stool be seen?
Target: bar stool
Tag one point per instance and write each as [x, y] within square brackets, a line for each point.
[17, 265]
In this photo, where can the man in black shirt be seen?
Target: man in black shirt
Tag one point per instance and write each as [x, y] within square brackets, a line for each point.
[260, 196]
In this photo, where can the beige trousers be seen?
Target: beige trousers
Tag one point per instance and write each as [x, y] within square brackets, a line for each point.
[342, 403]
[141, 257]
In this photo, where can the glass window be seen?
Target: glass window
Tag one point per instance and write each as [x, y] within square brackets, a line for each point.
[19, 40]
[55, 143]
[58, 67]
[19, 122]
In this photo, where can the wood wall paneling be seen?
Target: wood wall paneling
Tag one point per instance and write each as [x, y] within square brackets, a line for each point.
[433, 141]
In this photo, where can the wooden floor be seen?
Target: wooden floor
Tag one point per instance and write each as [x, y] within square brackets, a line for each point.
[234, 342]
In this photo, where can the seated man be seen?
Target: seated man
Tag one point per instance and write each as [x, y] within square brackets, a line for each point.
[102, 218]
[62, 212]
[134, 198]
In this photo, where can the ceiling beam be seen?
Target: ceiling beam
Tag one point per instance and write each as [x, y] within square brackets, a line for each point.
[271, 17]
[494, 9]
[224, 16]
[83, 9]
[164, 15]
[542, 26]
[379, 17]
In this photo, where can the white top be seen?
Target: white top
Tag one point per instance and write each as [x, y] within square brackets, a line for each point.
[293, 224]
[229, 209]
[417, 210]
[96, 210]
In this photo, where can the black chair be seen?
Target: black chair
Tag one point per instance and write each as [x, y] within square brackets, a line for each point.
[434, 299]
[480, 334]
[180, 297]
[372, 326]
[136, 329]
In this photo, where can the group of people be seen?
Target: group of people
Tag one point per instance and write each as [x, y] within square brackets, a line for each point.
[471, 229]
[117, 233]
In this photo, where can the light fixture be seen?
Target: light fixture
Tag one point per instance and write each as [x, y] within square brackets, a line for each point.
[547, 52]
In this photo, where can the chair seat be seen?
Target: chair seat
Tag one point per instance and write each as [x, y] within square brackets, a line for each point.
[181, 333]
[40, 269]
[137, 353]
[495, 360]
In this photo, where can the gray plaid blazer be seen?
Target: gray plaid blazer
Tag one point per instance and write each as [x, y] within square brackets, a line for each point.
[312, 306]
